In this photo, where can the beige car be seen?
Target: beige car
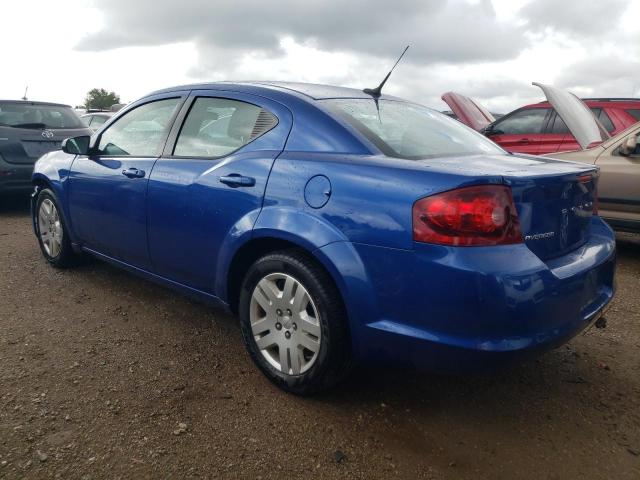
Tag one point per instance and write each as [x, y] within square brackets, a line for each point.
[619, 184]
[618, 158]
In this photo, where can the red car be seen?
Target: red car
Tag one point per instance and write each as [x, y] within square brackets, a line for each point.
[537, 129]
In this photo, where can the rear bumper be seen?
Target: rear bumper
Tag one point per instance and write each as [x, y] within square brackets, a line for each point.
[15, 178]
[459, 309]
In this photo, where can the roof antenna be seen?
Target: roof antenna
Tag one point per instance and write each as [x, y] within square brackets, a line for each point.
[25, 93]
[376, 92]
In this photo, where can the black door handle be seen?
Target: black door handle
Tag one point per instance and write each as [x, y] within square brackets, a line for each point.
[236, 180]
[524, 141]
[133, 173]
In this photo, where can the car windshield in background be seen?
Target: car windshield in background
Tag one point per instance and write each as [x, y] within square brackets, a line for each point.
[409, 131]
[33, 115]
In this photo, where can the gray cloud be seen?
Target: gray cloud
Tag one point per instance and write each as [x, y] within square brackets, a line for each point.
[575, 17]
[438, 31]
[232, 36]
[604, 75]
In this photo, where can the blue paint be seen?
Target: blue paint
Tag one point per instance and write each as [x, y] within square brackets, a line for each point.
[324, 187]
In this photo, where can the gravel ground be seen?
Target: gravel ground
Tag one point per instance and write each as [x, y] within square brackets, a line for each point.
[105, 375]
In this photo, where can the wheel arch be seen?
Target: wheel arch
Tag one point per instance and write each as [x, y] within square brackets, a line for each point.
[258, 247]
[339, 260]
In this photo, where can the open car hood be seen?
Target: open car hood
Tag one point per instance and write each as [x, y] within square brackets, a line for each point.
[579, 119]
[468, 111]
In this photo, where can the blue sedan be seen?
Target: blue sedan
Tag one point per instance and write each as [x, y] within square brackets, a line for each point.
[340, 227]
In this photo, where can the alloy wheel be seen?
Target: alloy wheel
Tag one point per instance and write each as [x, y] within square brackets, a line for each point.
[50, 228]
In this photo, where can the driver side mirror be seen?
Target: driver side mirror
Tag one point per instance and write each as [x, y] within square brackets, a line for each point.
[76, 145]
[629, 145]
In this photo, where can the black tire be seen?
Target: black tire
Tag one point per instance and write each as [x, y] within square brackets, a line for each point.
[333, 359]
[65, 257]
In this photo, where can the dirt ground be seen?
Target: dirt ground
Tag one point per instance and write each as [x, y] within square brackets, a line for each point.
[105, 375]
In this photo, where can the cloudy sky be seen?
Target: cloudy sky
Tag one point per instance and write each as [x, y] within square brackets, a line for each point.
[489, 49]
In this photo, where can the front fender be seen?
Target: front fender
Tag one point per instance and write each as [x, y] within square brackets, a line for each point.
[52, 171]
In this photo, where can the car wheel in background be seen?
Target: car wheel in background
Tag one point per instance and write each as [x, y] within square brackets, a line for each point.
[294, 323]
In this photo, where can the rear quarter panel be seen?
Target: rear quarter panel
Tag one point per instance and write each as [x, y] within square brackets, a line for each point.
[370, 199]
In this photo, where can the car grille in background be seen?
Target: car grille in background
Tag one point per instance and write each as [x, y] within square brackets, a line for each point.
[265, 122]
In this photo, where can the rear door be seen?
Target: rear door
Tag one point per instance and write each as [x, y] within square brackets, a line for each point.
[108, 189]
[210, 181]
[520, 131]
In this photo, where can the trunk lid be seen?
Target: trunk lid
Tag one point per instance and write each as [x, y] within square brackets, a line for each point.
[23, 146]
[580, 121]
[554, 198]
[468, 111]
[555, 211]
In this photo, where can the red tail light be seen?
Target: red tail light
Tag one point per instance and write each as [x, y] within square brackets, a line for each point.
[472, 216]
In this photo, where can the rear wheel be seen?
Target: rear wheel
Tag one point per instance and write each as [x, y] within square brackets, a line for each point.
[293, 323]
[51, 230]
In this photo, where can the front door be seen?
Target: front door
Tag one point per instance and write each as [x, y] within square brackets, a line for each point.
[108, 188]
[520, 131]
[210, 181]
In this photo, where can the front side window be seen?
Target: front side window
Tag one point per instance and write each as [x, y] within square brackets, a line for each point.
[409, 131]
[140, 132]
[527, 121]
[215, 127]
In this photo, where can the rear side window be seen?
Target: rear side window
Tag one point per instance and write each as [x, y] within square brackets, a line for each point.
[215, 127]
[635, 113]
[38, 116]
[560, 127]
[529, 120]
[141, 131]
[601, 115]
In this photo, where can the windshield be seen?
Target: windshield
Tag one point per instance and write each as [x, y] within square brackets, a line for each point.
[406, 130]
[33, 115]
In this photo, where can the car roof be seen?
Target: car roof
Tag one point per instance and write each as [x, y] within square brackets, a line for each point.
[309, 90]
[29, 102]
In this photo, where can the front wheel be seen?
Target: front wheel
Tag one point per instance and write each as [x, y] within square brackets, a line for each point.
[293, 323]
[52, 232]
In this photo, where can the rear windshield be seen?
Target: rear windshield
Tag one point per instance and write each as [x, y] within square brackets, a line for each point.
[409, 131]
[27, 115]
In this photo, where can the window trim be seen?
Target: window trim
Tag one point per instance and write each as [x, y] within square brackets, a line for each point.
[179, 123]
[95, 141]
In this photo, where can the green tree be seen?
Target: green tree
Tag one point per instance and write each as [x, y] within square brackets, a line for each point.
[99, 98]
